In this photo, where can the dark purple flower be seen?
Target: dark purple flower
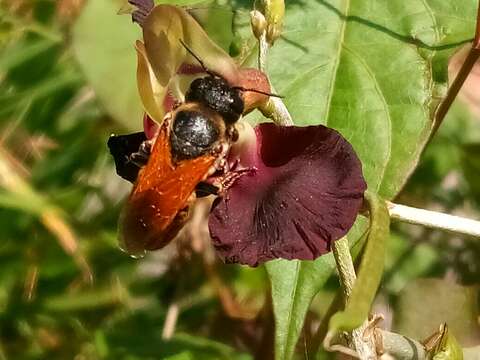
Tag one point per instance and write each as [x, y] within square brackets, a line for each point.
[304, 190]
[290, 191]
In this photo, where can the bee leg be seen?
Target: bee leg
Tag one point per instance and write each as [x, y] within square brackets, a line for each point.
[227, 180]
[140, 158]
[176, 104]
[232, 133]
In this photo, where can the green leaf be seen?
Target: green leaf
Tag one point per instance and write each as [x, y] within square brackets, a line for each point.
[21, 52]
[365, 69]
[368, 69]
[294, 285]
[146, 343]
[103, 43]
[371, 269]
[86, 300]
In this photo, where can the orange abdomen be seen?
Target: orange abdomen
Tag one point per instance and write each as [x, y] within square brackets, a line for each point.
[158, 205]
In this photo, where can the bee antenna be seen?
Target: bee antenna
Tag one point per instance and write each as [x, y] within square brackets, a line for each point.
[190, 51]
[258, 91]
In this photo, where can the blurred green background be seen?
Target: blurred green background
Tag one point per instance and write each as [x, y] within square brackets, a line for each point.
[67, 291]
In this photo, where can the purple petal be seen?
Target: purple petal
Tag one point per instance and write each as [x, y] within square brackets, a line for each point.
[143, 9]
[306, 192]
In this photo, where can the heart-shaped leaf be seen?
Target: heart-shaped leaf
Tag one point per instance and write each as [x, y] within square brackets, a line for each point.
[371, 70]
[365, 69]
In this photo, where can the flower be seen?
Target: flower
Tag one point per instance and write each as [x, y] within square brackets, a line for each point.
[304, 192]
[289, 191]
[165, 68]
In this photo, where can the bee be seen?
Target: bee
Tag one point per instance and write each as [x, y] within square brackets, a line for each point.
[170, 171]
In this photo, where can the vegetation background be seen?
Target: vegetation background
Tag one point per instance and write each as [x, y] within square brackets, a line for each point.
[67, 291]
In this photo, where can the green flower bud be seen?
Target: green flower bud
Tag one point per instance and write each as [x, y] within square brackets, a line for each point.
[274, 11]
[442, 345]
[258, 22]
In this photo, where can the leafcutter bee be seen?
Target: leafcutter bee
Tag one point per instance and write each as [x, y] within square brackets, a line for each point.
[191, 145]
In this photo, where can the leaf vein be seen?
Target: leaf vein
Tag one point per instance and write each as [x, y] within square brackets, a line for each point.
[293, 295]
[337, 61]
[385, 106]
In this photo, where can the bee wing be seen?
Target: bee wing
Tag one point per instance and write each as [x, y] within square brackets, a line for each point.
[122, 147]
[158, 204]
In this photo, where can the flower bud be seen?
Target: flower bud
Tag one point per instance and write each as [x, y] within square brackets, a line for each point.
[258, 23]
[274, 11]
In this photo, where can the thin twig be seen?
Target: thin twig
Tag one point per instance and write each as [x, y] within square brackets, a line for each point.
[275, 109]
[262, 52]
[170, 321]
[472, 57]
[454, 89]
[434, 219]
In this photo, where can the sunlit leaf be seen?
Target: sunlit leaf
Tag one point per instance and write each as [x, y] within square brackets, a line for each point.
[365, 69]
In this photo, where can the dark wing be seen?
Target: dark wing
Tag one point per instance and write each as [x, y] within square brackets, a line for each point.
[122, 147]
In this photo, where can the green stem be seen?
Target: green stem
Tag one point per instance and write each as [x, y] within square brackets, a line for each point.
[346, 271]
[262, 52]
[275, 108]
[364, 346]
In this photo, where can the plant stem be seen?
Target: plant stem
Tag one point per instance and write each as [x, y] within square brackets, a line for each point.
[346, 271]
[262, 52]
[434, 219]
[396, 345]
[170, 321]
[275, 109]
[278, 112]
[364, 346]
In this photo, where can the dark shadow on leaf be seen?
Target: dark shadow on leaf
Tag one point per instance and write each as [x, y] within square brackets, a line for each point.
[403, 38]
[294, 43]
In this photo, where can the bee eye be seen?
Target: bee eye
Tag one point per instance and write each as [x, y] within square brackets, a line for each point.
[193, 134]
